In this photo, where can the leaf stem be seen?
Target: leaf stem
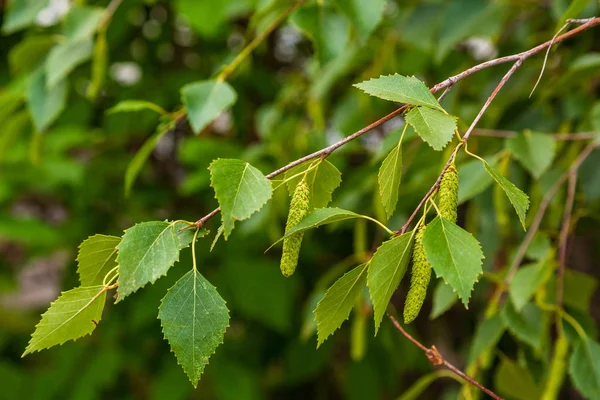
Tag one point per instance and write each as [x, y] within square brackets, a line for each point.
[194, 265]
[388, 230]
[108, 274]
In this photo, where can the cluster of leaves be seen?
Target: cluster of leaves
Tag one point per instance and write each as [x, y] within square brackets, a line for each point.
[76, 115]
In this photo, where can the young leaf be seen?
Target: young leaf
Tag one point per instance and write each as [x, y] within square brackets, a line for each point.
[526, 282]
[443, 299]
[327, 29]
[455, 256]
[318, 217]
[386, 269]
[82, 21]
[135, 105]
[64, 57]
[205, 101]
[529, 325]
[364, 14]
[194, 318]
[240, 189]
[473, 180]
[535, 151]
[584, 368]
[487, 335]
[20, 14]
[389, 177]
[45, 105]
[516, 382]
[139, 159]
[146, 253]
[335, 307]
[402, 89]
[97, 256]
[322, 181]
[518, 199]
[73, 315]
[434, 127]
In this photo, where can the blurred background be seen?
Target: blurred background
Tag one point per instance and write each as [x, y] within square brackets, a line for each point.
[65, 182]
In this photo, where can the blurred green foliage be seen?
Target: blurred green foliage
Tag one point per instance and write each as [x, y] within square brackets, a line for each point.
[63, 159]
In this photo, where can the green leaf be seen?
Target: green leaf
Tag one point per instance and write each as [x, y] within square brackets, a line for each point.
[516, 382]
[473, 180]
[535, 151]
[322, 181]
[82, 21]
[327, 30]
[73, 315]
[365, 15]
[487, 335]
[401, 89]
[526, 282]
[20, 14]
[318, 217]
[139, 159]
[147, 251]
[335, 307]
[45, 105]
[205, 101]
[455, 255]
[389, 177]
[97, 256]
[434, 127]
[386, 269]
[194, 318]
[443, 299]
[578, 289]
[240, 189]
[63, 59]
[529, 325]
[135, 105]
[584, 368]
[30, 52]
[518, 199]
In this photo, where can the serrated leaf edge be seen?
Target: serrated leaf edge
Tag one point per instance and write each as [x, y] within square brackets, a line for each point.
[195, 384]
[104, 263]
[29, 344]
[212, 185]
[319, 340]
[151, 281]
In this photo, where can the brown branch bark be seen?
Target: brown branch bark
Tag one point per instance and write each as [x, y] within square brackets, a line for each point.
[564, 236]
[446, 84]
[436, 358]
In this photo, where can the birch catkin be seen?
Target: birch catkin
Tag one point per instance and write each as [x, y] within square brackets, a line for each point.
[448, 194]
[421, 268]
[299, 207]
[421, 274]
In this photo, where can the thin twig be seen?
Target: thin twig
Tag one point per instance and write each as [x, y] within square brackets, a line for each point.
[436, 358]
[110, 10]
[228, 70]
[535, 225]
[564, 235]
[539, 79]
[516, 58]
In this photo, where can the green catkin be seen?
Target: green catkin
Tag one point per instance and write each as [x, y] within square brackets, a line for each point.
[448, 194]
[299, 207]
[558, 368]
[421, 274]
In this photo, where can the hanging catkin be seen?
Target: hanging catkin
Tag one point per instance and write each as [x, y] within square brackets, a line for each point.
[419, 280]
[299, 207]
[448, 194]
